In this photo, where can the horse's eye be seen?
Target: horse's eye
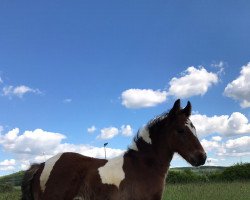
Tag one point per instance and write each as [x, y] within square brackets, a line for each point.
[180, 130]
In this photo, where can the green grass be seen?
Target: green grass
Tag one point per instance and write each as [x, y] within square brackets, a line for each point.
[208, 191]
[13, 179]
[190, 191]
[14, 195]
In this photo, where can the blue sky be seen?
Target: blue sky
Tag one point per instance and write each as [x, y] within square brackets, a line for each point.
[77, 74]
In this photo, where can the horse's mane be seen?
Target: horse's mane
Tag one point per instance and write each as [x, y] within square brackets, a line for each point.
[158, 119]
[138, 140]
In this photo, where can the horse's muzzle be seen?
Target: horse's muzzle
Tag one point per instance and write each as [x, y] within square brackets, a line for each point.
[199, 159]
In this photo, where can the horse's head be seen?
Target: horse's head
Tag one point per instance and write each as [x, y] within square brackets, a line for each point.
[183, 137]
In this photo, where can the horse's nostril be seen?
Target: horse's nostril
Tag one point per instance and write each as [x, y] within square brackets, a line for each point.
[200, 159]
[204, 156]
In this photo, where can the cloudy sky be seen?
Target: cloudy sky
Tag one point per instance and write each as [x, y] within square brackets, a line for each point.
[75, 75]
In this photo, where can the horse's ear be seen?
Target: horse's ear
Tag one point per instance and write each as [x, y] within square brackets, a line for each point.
[188, 109]
[176, 107]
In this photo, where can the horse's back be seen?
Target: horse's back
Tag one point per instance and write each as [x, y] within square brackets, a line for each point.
[67, 172]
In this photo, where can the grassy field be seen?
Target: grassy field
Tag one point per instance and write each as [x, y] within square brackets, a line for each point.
[15, 195]
[211, 191]
[203, 191]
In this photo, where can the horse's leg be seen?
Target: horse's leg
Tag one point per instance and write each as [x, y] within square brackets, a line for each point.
[157, 196]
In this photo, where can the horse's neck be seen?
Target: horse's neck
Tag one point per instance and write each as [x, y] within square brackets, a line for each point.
[153, 159]
[165, 155]
[163, 160]
[144, 148]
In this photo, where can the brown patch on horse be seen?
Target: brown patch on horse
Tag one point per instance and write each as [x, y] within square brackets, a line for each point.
[26, 186]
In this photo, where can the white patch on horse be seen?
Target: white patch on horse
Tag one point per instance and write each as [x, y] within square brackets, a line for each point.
[190, 126]
[144, 134]
[112, 172]
[133, 146]
[49, 164]
[78, 198]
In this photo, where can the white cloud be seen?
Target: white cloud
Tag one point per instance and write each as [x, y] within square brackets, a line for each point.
[30, 142]
[239, 146]
[214, 146]
[206, 125]
[7, 168]
[67, 100]
[8, 162]
[7, 165]
[126, 130]
[231, 148]
[195, 81]
[108, 133]
[25, 165]
[92, 129]
[238, 89]
[40, 145]
[220, 66]
[212, 161]
[32, 146]
[1, 129]
[19, 91]
[1, 80]
[87, 150]
[235, 124]
[209, 145]
[217, 138]
[140, 98]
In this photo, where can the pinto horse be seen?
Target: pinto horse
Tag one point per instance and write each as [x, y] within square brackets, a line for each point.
[138, 174]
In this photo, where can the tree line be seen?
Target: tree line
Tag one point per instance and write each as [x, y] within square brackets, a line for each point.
[237, 172]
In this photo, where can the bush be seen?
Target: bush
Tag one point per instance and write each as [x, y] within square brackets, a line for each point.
[185, 176]
[6, 188]
[15, 179]
[215, 176]
[236, 172]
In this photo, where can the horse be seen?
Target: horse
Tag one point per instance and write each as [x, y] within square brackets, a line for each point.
[138, 174]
